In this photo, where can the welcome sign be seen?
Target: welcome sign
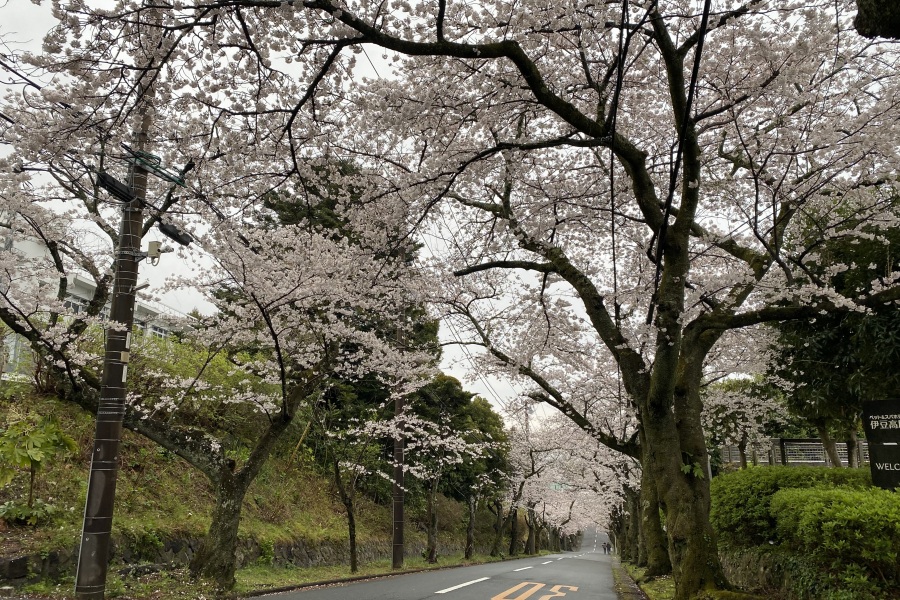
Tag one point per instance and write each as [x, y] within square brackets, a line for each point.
[881, 421]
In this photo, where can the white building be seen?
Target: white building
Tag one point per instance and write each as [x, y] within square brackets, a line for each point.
[15, 354]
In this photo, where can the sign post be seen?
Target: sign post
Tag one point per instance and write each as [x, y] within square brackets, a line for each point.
[881, 421]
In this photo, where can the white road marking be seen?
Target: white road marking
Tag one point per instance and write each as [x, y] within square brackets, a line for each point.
[560, 558]
[547, 563]
[462, 585]
[522, 569]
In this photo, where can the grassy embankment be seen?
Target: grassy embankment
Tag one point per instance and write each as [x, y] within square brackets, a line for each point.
[160, 497]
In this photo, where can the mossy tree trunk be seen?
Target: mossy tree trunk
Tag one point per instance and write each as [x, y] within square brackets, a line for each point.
[653, 538]
[531, 524]
[215, 559]
[510, 521]
[681, 480]
[513, 531]
[631, 538]
[472, 503]
[348, 497]
[742, 450]
[496, 508]
[431, 550]
[852, 450]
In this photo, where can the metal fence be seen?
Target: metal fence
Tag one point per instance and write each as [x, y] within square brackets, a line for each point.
[780, 451]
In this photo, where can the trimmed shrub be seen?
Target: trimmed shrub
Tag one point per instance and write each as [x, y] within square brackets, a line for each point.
[740, 511]
[852, 535]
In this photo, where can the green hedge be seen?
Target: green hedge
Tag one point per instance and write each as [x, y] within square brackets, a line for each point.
[740, 501]
[852, 535]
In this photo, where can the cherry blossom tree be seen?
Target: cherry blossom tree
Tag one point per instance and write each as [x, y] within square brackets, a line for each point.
[618, 186]
[432, 449]
[290, 320]
[293, 303]
[563, 479]
[350, 450]
[738, 412]
[550, 278]
[300, 299]
[592, 476]
[477, 480]
[527, 458]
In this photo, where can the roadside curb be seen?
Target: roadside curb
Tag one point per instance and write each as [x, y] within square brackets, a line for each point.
[329, 582]
[626, 587]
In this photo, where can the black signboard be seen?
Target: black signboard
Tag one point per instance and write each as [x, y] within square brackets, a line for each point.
[881, 421]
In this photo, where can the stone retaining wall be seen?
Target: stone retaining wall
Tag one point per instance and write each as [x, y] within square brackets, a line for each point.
[128, 557]
[756, 572]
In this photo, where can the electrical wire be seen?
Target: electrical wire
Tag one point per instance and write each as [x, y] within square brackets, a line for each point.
[457, 338]
[614, 109]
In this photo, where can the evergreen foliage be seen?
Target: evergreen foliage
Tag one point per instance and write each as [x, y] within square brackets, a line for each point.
[852, 536]
[829, 365]
[828, 531]
[741, 512]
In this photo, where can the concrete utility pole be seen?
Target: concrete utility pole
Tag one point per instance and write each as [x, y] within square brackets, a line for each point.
[93, 556]
[398, 499]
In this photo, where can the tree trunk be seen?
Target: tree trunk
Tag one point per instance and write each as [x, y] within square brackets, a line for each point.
[215, 559]
[654, 538]
[431, 549]
[216, 556]
[685, 499]
[742, 450]
[514, 531]
[671, 419]
[531, 523]
[470, 527]
[692, 547]
[616, 524]
[398, 494]
[496, 508]
[830, 446]
[351, 529]
[852, 450]
[633, 528]
[347, 497]
[628, 525]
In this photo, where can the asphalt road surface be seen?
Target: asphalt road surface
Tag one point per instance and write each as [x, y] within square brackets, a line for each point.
[582, 575]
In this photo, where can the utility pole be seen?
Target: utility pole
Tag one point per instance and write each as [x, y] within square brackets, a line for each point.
[93, 556]
[398, 499]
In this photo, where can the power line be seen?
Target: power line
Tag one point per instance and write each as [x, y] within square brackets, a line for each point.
[462, 345]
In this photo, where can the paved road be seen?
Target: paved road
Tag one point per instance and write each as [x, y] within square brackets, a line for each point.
[582, 575]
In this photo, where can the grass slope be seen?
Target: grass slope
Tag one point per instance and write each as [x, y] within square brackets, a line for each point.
[160, 497]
